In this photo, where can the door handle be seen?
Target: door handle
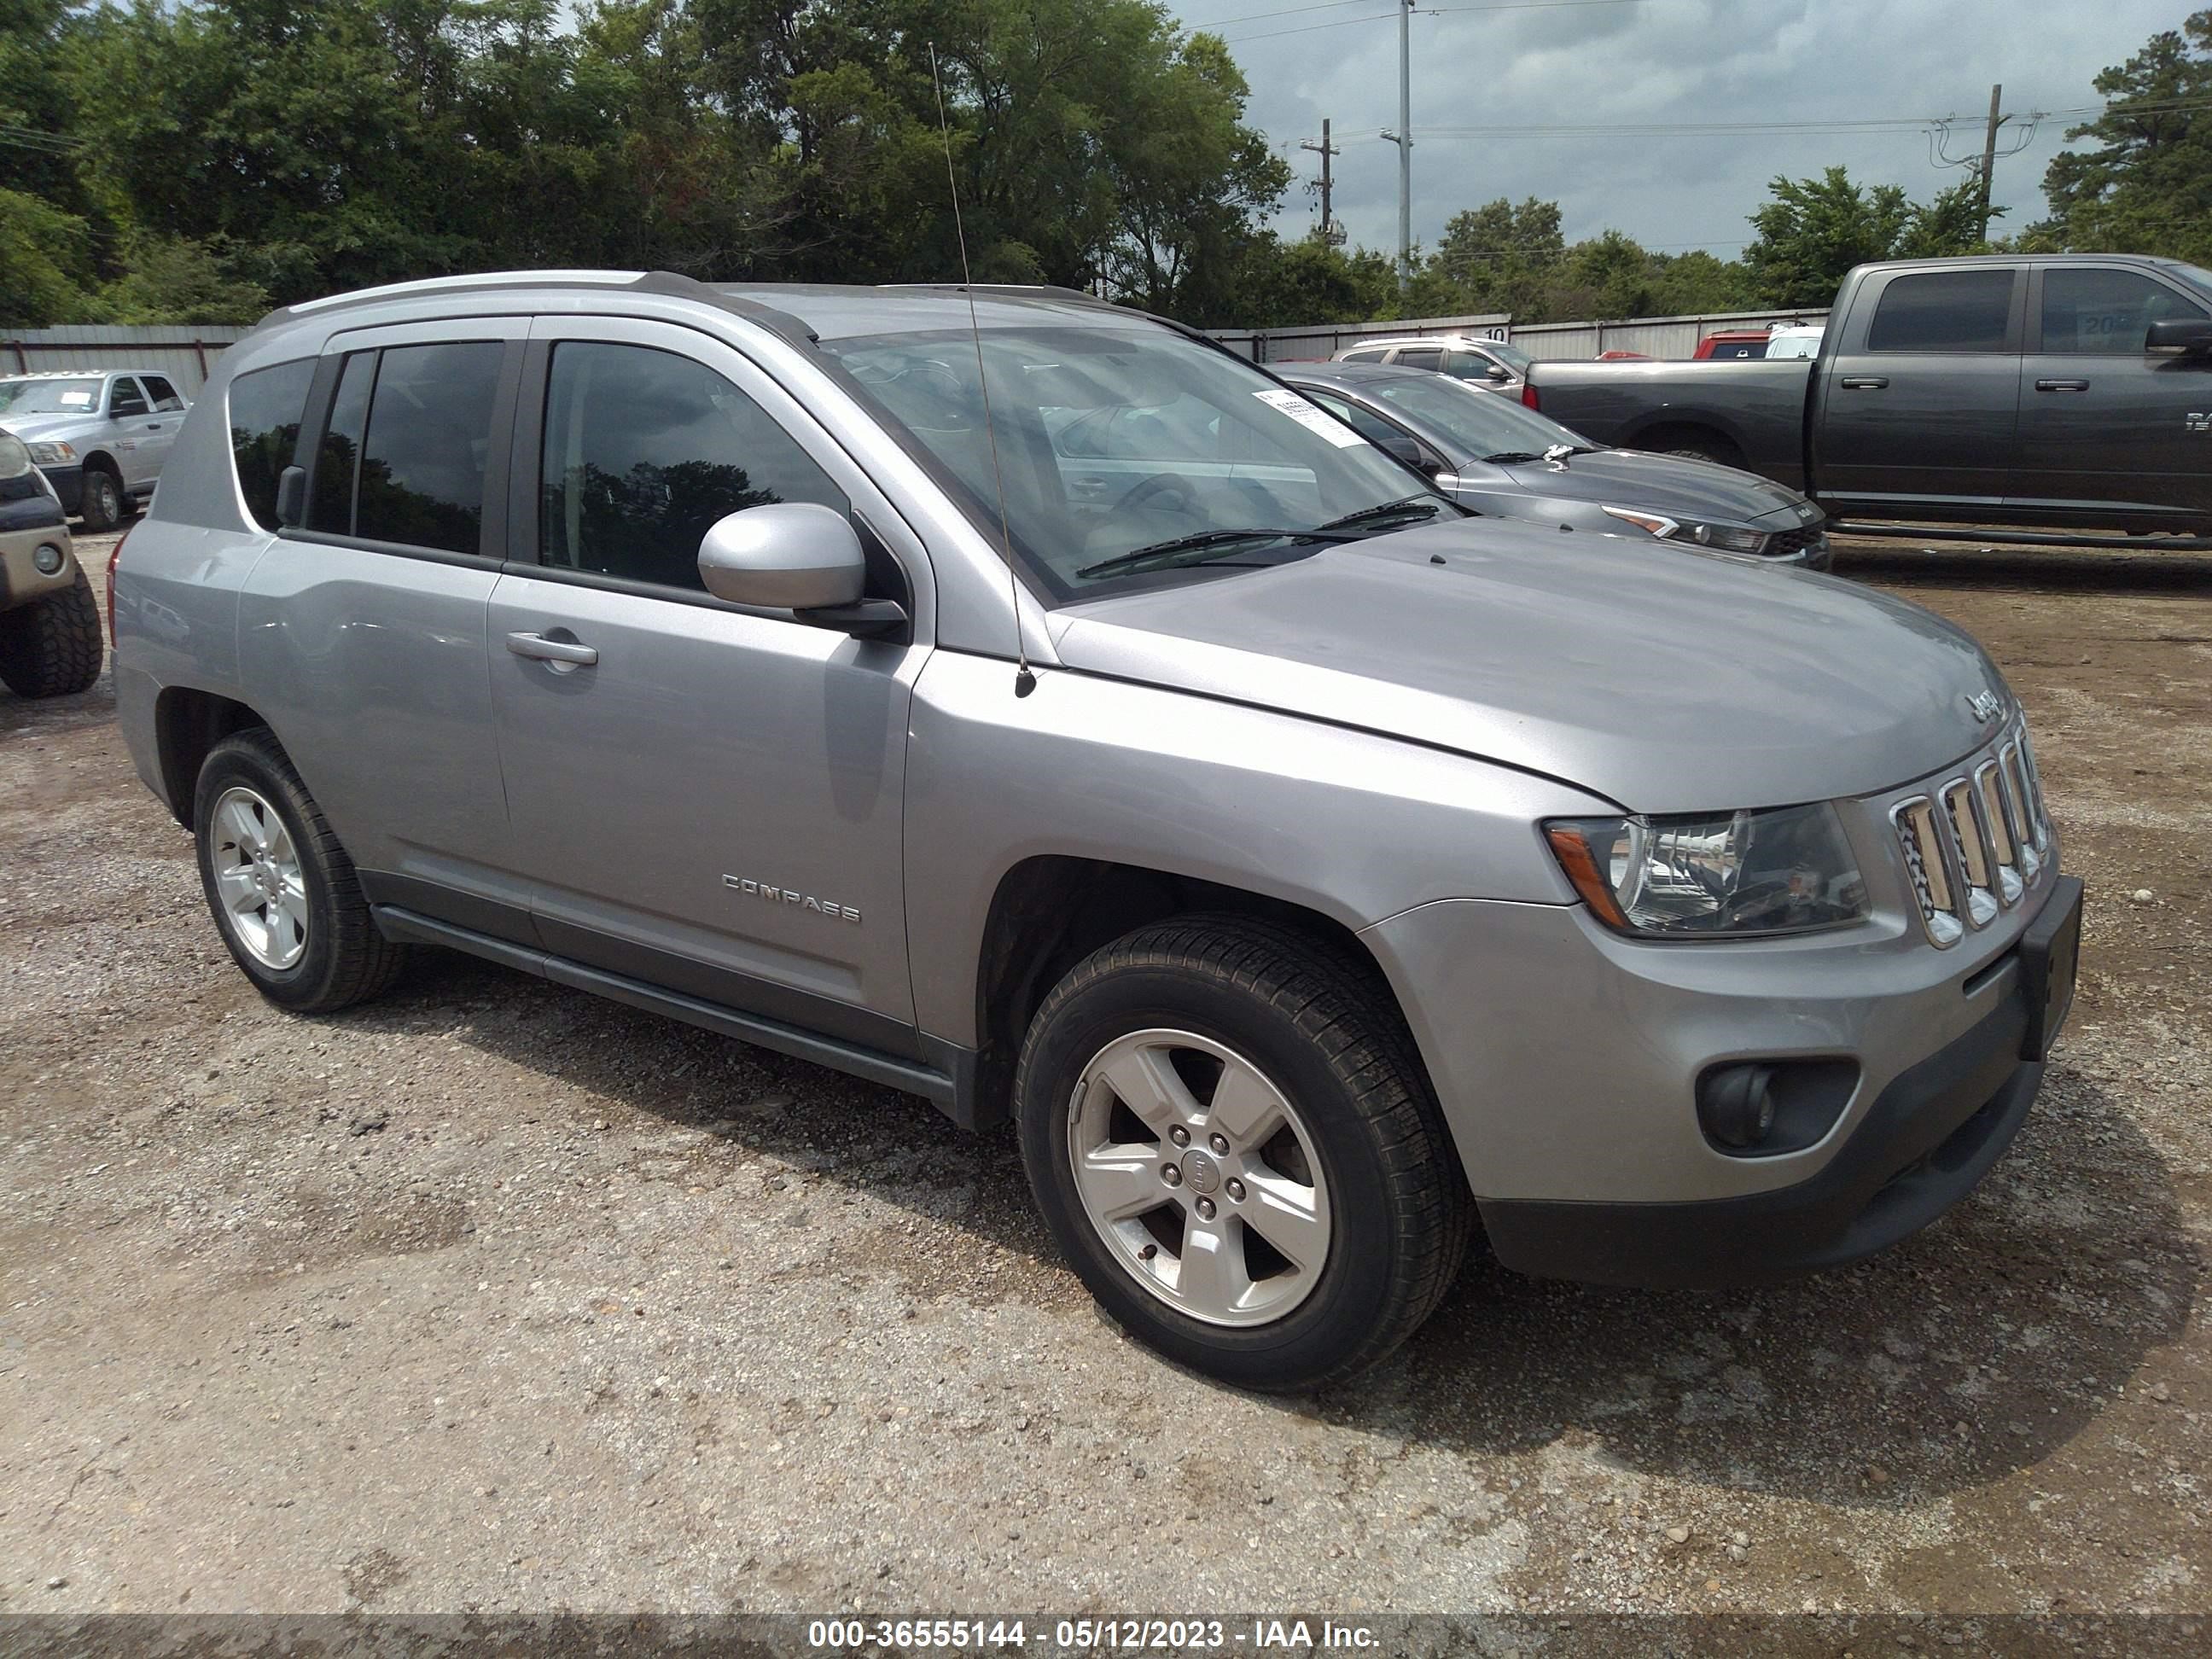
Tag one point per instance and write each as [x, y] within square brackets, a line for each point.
[153, 426]
[2062, 386]
[560, 651]
[1864, 382]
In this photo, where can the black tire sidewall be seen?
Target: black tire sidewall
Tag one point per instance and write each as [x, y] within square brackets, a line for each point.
[99, 483]
[307, 980]
[1311, 1340]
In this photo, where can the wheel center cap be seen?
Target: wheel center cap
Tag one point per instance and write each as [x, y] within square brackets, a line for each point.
[1201, 1172]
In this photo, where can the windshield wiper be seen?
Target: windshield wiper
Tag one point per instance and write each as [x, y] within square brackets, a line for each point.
[1426, 507]
[1140, 557]
[1511, 457]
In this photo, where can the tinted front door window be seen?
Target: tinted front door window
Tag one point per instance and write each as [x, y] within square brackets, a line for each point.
[126, 399]
[2105, 310]
[645, 450]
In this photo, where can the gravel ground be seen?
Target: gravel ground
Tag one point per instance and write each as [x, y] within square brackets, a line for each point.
[493, 1295]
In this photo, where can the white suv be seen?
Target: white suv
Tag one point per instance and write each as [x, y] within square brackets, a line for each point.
[1491, 364]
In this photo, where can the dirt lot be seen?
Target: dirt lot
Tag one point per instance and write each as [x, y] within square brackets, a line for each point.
[493, 1295]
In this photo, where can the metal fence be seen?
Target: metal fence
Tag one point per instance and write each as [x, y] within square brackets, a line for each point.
[184, 353]
[1653, 336]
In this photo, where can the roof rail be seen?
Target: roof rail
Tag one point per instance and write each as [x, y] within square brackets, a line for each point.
[666, 282]
[1019, 290]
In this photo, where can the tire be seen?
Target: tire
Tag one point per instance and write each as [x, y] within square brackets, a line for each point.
[319, 950]
[1363, 1149]
[50, 647]
[103, 506]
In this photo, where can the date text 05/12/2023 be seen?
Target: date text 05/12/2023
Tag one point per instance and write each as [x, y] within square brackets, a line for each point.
[1095, 1634]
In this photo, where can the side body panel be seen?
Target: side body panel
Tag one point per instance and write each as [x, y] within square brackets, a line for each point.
[1759, 407]
[1913, 429]
[2114, 426]
[716, 803]
[1352, 825]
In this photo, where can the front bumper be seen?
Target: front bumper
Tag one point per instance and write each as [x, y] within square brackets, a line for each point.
[69, 484]
[21, 534]
[1927, 1142]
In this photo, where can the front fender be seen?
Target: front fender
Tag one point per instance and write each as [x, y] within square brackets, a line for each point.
[1351, 825]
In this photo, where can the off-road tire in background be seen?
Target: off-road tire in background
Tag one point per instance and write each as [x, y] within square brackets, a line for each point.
[1322, 1033]
[104, 502]
[347, 959]
[50, 646]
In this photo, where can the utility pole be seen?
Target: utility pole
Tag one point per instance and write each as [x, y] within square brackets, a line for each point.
[1330, 235]
[1989, 155]
[1403, 138]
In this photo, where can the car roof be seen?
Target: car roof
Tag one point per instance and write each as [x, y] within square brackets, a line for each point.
[83, 374]
[1448, 339]
[1346, 374]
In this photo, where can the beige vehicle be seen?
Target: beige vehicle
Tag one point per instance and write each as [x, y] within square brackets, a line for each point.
[49, 619]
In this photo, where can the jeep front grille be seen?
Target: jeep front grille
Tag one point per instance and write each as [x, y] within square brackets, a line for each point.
[1974, 844]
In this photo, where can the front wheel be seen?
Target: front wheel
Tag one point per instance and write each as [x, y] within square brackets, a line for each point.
[102, 507]
[1233, 1143]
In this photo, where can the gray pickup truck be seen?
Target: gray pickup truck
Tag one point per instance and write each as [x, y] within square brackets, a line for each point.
[2066, 390]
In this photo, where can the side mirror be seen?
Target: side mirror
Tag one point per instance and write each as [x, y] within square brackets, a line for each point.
[2185, 337]
[291, 497]
[795, 555]
[1496, 372]
[1412, 454]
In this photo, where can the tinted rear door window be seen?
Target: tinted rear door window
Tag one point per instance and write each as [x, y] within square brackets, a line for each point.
[265, 407]
[1943, 310]
[1420, 357]
[645, 450]
[165, 401]
[338, 459]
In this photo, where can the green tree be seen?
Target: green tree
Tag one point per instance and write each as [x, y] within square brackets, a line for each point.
[1814, 230]
[2146, 187]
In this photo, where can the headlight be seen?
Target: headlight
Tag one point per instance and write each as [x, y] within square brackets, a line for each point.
[1703, 875]
[50, 454]
[1726, 538]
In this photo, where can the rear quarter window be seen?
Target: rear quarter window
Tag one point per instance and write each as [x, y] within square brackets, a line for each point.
[265, 407]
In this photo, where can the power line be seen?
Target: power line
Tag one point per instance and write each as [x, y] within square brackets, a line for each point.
[1422, 11]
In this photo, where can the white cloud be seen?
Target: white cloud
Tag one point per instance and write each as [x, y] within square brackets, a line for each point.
[1668, 61]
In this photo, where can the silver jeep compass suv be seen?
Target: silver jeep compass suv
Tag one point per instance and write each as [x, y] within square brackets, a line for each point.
[1311, 871]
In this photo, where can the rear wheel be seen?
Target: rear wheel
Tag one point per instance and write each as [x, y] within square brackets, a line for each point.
[1234, 1146]
[50, 647]
[102, 507]
[283, 890]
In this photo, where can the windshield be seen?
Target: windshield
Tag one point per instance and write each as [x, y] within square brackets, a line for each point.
[1113, 441]
[49, 396]
[1481, 423]
[1512, 356]
[2195, 275]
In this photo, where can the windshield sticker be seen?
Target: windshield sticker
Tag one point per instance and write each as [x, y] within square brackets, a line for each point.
[77, 399]
[1311, 415]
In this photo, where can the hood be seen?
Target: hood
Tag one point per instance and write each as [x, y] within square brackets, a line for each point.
[42, 429]
[1667, 681]
[1679, 489]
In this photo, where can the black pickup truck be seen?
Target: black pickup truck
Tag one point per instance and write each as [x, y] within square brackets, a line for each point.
[2071, 390]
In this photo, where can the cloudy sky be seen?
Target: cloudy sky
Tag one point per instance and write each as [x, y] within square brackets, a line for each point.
[1664, 63]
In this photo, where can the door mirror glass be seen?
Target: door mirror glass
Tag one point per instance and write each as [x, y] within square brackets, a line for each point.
[797, 556]
[1496, 372]
[2190, 336]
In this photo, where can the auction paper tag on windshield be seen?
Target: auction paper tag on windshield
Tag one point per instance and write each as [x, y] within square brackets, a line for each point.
[1309, 415]
[75, 399]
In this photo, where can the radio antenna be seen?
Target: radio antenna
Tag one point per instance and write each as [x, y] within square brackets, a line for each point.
[1024, 680]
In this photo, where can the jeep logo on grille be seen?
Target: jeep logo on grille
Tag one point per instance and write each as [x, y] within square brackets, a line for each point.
[1985, 706]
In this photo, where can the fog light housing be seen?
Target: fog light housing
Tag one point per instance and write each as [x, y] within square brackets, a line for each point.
[48, 558]
[1736, 1104]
